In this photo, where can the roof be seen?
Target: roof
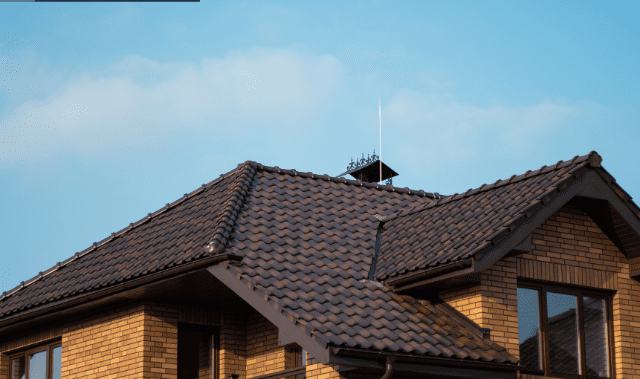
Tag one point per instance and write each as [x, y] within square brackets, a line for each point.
[461, 226]
[309, 247]
[307, 240]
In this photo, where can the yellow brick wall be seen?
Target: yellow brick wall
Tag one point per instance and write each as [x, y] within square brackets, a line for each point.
[568, 248]
[233, 346]
[126, 341]
[492, 303]
[5, 366]
[160, 341]
[106, 343]
[320, 371]
[264, 356]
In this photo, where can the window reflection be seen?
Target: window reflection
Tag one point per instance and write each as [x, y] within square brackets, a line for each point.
[529, 328]
[595, 333]
[564, 351]
[38, 365]
[57, 363]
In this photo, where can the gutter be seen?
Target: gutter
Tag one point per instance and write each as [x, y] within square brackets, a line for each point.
[119, 289]
[425, 360]
[425, 274]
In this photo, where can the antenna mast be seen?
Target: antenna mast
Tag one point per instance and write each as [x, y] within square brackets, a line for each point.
[380, 118]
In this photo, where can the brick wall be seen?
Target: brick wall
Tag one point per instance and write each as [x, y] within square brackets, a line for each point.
[568, 248]
[264, 356]
[5, 366]
[106, 343]
[320, 371]
[233, 345]
[492, 303]
[160, 344]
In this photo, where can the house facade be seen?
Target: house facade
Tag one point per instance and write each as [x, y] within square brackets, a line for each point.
[267, 273]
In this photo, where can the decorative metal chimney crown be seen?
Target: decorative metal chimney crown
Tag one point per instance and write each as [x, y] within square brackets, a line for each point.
[368, 170]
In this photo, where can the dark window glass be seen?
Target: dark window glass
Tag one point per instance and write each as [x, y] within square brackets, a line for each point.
[595, 335]
[18, 368]
[529, 328]
[195, 354]
[57, 363]
[38, 365]
[564, 351]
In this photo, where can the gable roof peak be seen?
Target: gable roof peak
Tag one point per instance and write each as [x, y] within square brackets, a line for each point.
[593, 159]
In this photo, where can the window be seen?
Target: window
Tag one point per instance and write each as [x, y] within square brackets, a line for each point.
[43, 362]
[295, 358]
[197, 347]
[564, 332]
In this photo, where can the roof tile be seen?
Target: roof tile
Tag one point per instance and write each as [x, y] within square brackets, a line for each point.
[457, 229]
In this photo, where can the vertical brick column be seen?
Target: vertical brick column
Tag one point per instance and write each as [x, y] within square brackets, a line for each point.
[5, 366]
[499, 307]
[160, 346]
[626, 326]
[233, 348]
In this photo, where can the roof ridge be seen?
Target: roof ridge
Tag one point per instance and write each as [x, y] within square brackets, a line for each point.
[114, 235]
[233, 206]
[388, 188]
[582, 160]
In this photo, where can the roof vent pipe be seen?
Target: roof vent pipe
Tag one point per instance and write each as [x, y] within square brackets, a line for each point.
[389, 372]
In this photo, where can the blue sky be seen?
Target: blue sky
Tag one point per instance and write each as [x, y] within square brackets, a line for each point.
[108, 111]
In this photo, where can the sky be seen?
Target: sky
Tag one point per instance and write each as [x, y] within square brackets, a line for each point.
[108, 111]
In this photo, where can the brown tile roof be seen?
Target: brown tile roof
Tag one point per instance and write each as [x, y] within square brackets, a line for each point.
[307, 241]
[458, 226]
[310, 247]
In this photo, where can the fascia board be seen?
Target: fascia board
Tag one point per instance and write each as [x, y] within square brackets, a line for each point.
[289, 330]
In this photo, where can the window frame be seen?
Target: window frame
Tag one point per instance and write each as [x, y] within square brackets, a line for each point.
[579, 292]
[48, 348]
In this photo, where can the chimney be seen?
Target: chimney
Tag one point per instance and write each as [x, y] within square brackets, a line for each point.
[368, 170]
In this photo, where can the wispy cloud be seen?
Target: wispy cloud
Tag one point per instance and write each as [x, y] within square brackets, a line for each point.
[438, 128]
[140, 99]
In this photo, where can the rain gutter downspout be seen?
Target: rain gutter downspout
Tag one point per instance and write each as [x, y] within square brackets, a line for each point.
[390, 360]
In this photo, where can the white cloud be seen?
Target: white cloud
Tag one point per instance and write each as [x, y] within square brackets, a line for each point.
[140, 99]
[439, 128]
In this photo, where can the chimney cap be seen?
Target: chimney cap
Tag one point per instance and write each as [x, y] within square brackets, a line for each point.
[368, 170]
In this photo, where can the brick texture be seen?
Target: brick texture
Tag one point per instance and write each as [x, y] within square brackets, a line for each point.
[569, 249]
[160, 345]
[264, 356]
[5, 366]
[233, 345]
[107, 343]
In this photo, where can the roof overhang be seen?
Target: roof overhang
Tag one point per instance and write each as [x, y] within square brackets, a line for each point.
[608, 205]
[63, 308]
[291, 330]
